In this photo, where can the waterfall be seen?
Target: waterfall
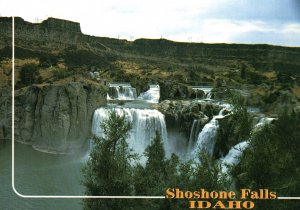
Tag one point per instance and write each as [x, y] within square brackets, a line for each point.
[208, 95]
[152, 95]
[145, 122]
[263, 121]
[89, 147]
[206, 90]
[194, 134]
[232, 158]
[207, 137]
[121, 91]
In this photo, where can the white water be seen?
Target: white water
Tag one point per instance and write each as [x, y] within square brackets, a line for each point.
[207, 137]
[263, 121]
[121, 91]
[145, 123]
[152, 95]
[232, 158]
[194, 134]
[206, 90]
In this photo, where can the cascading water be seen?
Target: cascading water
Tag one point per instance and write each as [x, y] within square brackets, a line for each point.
[194, 134]
[207, 137]
[152, 95]
[206, 90]
[263, 121]
[145, 122]
[208, 95]
[121, 91]
[232, 158]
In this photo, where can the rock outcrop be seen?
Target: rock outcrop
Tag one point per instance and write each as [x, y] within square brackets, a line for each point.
[172, 90]
[56, 118]
[52, 29]
[182, 113]
[5, 114]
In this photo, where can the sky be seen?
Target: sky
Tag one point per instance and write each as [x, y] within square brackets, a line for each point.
[274, 22]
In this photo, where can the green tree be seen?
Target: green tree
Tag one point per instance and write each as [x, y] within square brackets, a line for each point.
[234, 128]
[156, 176]
[272, 161]
[29, 73]
[201, 172]
[108, 170]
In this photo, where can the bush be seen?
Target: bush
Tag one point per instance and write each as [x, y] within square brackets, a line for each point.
[29, 74]
[272, 161]
[108, 171]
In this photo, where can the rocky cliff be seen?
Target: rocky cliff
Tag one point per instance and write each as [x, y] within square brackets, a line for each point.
[182, 113]
[5, 114]
[56, 118]
[61, 34]
[49, 30]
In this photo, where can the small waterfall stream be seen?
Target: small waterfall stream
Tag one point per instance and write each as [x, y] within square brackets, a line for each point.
[152, 95]
[124, 91]
[206, 90]
[121, 91]
[232, 158]
[194, 134]
[207, 137]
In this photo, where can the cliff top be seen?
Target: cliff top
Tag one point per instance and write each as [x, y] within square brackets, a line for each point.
[74, 27]
[50, 23]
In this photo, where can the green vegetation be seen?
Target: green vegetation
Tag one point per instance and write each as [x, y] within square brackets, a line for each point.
[29, 74]
[158, 174]
[234, 128]
[272, 161]
[108, 171]
[47, 61]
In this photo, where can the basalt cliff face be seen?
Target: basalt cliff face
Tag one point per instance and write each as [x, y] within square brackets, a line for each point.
[50, 30]
[52, 118]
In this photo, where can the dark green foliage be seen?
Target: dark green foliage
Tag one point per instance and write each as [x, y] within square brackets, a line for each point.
[233, 128]
[48, 60]
[243, 72]
[160, 173]
[254, 77]
[272, 161]
[208, 175]
[157, 175]
[29, 74]
[201, 172]
[108, 171]
[58, 73]
[204, 172]
[284, 78]
[77, 58]
[5, 52]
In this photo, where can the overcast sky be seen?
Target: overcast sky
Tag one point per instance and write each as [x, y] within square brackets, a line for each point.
[213, 21]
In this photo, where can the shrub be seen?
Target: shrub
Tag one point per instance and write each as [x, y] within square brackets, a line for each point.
[29, 74]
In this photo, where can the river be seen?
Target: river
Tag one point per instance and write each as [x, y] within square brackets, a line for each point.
[38, 173]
